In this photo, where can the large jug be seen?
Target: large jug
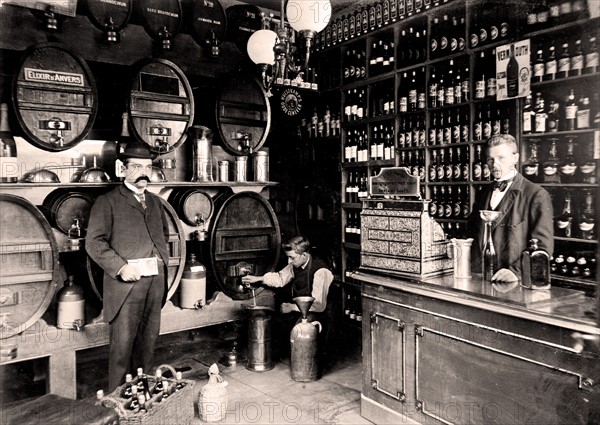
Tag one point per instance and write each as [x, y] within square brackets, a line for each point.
[461, 255]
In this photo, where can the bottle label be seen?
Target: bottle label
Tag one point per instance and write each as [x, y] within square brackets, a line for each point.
[440, 173]
[494, 32]
[474, 39]
[448, 134]
[421, 100]
[401, 139]
[408, 139]
[450, 96]
[479, 89]
[477, 172]
[565, 7]
[441, 95]
[412, 96]
[403, 104]
[464, 133]
[465, 171]
[568, 169]
[432, 209]
[487, 130]
[504, 29]
[432, 174]
[458, 93]
[422, 137]
[577, 62]
[432, 136]
[538, 70]
[550, 169]
[453, 44]
[583, 118]
[551, 124]
[440, 136]
[485, 172]
[483, 35]
[478, 131]
[551, 68]
[456, 172]
[527, 122]
[380, 151]
[373, 151]
[531, 170]
[496, 127]
[456, 133]
[571, 112]
[443, 42]
[564, 65]
[434, 45]
[387, 153]
[491, 87]
[466, 89]
[591, 60]
[540, 123]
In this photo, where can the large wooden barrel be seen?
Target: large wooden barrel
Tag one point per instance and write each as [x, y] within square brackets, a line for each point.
[161, 19]
[177, 257]
[192, 203]
[63, 206]
[109, 16]
[161, 105]
[30, 270]
[245, 229]
[243, 114]
[55, 97]
[205, 18]
[242, 21]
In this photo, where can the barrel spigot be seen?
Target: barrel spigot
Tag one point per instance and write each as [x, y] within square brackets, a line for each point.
[78, 325]
[200, 232]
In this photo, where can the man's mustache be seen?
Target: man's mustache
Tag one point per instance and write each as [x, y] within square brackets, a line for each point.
[140, 178]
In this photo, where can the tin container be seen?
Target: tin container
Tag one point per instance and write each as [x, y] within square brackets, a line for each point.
[261, 166]
[241, 168]
[223, 171]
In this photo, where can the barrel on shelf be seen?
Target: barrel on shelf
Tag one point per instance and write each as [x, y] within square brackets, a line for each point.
[30, 269]
[63, 206]
[192, 203]
[206, 18]
[161, 105]
[242, 21]
[54, 97]
[177, 256]
[243, 114]
[245, 229]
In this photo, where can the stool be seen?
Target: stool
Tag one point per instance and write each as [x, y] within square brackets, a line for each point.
[52, 409]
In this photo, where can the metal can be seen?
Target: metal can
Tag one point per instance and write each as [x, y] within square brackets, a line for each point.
[261, 166]
[223, 171]
[241, 167]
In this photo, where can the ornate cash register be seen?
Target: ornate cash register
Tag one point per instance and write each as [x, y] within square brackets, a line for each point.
[398, 235]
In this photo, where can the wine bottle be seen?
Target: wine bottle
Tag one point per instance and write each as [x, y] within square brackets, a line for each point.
[583, 113]
[127, 393]
[591, 57]
[587, 168]
[550, 67]
[158, 387]
[538, 67]
[571, 111]
[587, 220]
[568, 167]
[134, 404]
[540, 114]
[477, 165]
[564, 222]
[433, 166]
[550, 166]
[9, 166]
[576, 60]
[552, 118]
[564, 62]
[512, 74]
[531, 167]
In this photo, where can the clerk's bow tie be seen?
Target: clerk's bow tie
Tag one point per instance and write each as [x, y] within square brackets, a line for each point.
[501, 185]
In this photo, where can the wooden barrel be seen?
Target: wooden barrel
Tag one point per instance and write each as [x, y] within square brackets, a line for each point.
[109, 15]
[177, 257]
[160, 18]
[242, 21]
[191, 203]
[30, 270]
[243, 114]
[205, 18]
[63, 206]
[245, 229]
[161, 105]
[55, 97]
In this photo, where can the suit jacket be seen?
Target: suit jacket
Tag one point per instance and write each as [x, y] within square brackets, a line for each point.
[120, 229]
[525, 213]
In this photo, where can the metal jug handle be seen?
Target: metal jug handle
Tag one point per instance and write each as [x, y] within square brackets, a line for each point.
[317, 323]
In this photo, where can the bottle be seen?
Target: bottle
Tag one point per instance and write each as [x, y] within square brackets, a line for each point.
[127, 391]
[550, 166]
[433, 202]
[158, 387]
[9, 165]
[99, 394]
[587, 168]
[489, 257]
[434, 43]
[491, 82]
[552, 118]
[466, 86]
[564, 222]
[568, 167]
[535, 267]
[564, 62]
[139, 380]
[571, 111]
[478, 165]
[591, 57]
[550, 67]
[134, 404]
[576, 60]
[540, 114]
[179, 384]
[512, 74]
[71, 305]
[480, 82]
[433, 166]
[531, 168]
[538, 67]
[466, 167]
[587, 220]
[142, 400]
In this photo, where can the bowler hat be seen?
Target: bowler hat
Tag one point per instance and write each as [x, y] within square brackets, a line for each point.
[136, 150]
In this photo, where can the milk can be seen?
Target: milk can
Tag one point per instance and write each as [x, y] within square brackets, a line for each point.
[241, 168]
[202, 153]
[71, 306]
[304, 340]
[192, 287]
[261, 166]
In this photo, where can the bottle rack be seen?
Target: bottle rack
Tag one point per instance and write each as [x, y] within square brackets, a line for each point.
[428, 122]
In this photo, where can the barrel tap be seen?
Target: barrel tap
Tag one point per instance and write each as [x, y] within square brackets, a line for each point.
[200, 232]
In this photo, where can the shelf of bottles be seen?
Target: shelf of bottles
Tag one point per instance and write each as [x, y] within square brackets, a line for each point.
[424, 85]
[561, 133]
[352, 304]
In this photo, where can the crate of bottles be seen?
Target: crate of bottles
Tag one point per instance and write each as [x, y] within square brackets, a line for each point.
[170, 401]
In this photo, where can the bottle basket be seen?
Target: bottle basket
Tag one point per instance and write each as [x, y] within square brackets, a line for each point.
[177, 408]
[212, 401]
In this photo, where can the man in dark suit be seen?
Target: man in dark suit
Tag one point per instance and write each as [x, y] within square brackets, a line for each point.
[127, 237]
[525, 211]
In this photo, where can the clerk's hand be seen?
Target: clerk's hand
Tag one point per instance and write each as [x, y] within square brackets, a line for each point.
[504, 275]
[130, 273]
[287, 307]
[248, 280]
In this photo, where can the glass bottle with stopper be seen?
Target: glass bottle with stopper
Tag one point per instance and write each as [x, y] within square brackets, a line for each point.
[489, 257]
[535, 267]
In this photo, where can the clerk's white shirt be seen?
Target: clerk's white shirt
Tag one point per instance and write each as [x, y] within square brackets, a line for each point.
[497, 195]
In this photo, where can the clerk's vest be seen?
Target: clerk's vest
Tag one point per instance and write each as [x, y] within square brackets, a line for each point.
[302, 283]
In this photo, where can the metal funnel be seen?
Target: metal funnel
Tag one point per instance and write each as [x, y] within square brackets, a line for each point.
[304, 304]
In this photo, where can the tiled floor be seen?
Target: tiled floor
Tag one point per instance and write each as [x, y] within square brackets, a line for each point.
[272, 397]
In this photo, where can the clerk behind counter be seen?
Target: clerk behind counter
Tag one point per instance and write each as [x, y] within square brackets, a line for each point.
[525, 211]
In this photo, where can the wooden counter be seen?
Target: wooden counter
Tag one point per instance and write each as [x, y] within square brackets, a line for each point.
[443, 350]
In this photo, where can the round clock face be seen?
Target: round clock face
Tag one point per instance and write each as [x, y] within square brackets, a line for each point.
[291, 102]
